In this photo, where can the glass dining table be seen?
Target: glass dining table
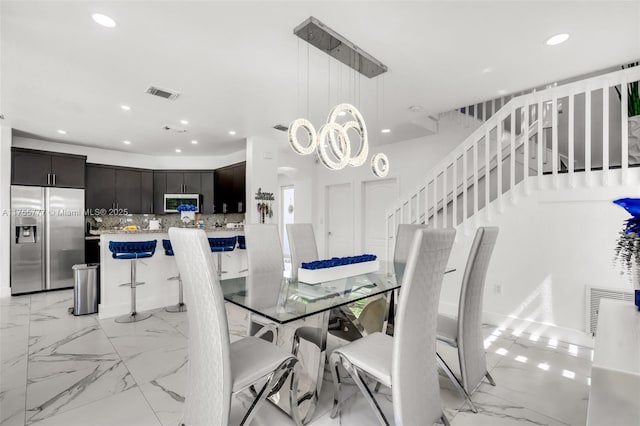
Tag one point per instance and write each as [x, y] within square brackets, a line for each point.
[300, 313]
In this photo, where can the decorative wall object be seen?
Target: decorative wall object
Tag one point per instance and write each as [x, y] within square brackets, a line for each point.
[333, 143]
[264, 205]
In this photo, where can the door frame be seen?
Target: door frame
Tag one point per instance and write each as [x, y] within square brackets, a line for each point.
[363, 212]
[281, 215]
[327, 208]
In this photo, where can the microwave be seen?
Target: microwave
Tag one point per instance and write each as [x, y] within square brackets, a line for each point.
[172, 201]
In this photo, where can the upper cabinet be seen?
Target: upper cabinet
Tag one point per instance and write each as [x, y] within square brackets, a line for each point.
[119, 190]
[230, 189]
[43, 168]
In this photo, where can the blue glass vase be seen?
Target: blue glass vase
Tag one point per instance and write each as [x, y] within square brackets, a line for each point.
[638, 299]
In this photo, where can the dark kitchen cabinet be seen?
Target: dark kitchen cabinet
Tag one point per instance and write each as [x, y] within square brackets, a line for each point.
[229, 189]
[175, 182]
[191, 182]
[100, 192]
[43, 168]
[159, 189]
[119, 190]
[68, 172]
[146, 192]
[128, 191]
[206, 187]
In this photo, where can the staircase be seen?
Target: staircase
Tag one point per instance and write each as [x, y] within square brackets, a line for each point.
[574, 129]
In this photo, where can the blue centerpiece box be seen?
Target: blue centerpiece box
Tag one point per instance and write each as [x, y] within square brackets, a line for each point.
[337, 268]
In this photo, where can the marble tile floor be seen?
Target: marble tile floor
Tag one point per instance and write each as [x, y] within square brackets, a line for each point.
[57, 369]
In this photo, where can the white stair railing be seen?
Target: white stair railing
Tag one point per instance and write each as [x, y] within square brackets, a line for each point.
[526, 137]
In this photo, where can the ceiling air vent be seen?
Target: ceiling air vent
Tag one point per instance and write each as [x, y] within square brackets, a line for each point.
[172, 95]
[174, 128]
[281, 127]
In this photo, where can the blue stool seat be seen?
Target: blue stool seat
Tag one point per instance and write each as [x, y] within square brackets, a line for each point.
[168, 249]
[132, 250]
[219, 245]
[222, 244]
[241, 242]
[180, 307]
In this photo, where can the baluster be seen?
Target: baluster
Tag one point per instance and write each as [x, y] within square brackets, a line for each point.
[426, 202]
[512, 153]
[540, 139]
[445, 222]
[554, 139]
[499, 163]
[525, 148]
[435, 199]
[487, 171]
[605, 133]
[587, 136]
[464, 186]
[476, 192]
[624, 132]
[570, 111]
[454, 184]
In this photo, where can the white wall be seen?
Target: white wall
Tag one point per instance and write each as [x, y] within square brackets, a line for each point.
[552, 244]
[5, 206]
[124, 159]
[262, 172]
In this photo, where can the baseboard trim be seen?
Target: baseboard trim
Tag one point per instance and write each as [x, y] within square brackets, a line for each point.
[528, 327]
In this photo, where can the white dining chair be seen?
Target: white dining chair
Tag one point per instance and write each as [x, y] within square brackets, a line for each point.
[219, 369]
[404, 238]
[465, 332]
[405, 362]
[264, 250]
[302, 243]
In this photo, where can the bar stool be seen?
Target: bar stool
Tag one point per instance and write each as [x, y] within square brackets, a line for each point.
[242, 245]
[180, 307]
[132, 250]
[218, 245]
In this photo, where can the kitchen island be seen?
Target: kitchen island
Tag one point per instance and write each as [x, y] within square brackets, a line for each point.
[157, 292]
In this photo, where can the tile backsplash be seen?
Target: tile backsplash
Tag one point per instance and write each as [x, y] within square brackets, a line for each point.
[166, 220]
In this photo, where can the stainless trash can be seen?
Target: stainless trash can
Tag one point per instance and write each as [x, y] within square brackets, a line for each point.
[86, 289]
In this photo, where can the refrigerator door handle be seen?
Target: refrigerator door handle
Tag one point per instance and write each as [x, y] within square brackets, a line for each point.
[54, 178]
[47, 241]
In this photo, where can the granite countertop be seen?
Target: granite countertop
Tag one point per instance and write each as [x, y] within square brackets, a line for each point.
[160, 231]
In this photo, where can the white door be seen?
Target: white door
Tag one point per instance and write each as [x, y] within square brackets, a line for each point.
[377, 196]
[339, 226]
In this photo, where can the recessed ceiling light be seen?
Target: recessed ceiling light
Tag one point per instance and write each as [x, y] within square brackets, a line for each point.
[386, 130]
[103, 20]
[178, 150]
[232, 132]
[502, 92]
[194, 142]
[557, 39]
[486, 70]
[62, 132]
[125, 107]
[126, 142]
[185, 122]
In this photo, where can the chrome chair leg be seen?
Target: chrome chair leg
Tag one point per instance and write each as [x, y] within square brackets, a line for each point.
[443, 365]
[355, 375]
[490, 379]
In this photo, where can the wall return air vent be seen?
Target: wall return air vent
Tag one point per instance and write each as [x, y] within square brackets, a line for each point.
[172, 95]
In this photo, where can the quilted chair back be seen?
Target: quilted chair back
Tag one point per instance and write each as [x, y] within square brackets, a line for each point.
[302, 243]
[264, 251]
[208, 393]
[404, 239]
[473, 363]
[415, 386]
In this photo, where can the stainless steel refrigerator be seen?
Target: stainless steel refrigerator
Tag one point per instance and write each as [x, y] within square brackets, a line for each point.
[47, 237]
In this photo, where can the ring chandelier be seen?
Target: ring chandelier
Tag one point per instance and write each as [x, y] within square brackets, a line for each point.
[333, 143]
